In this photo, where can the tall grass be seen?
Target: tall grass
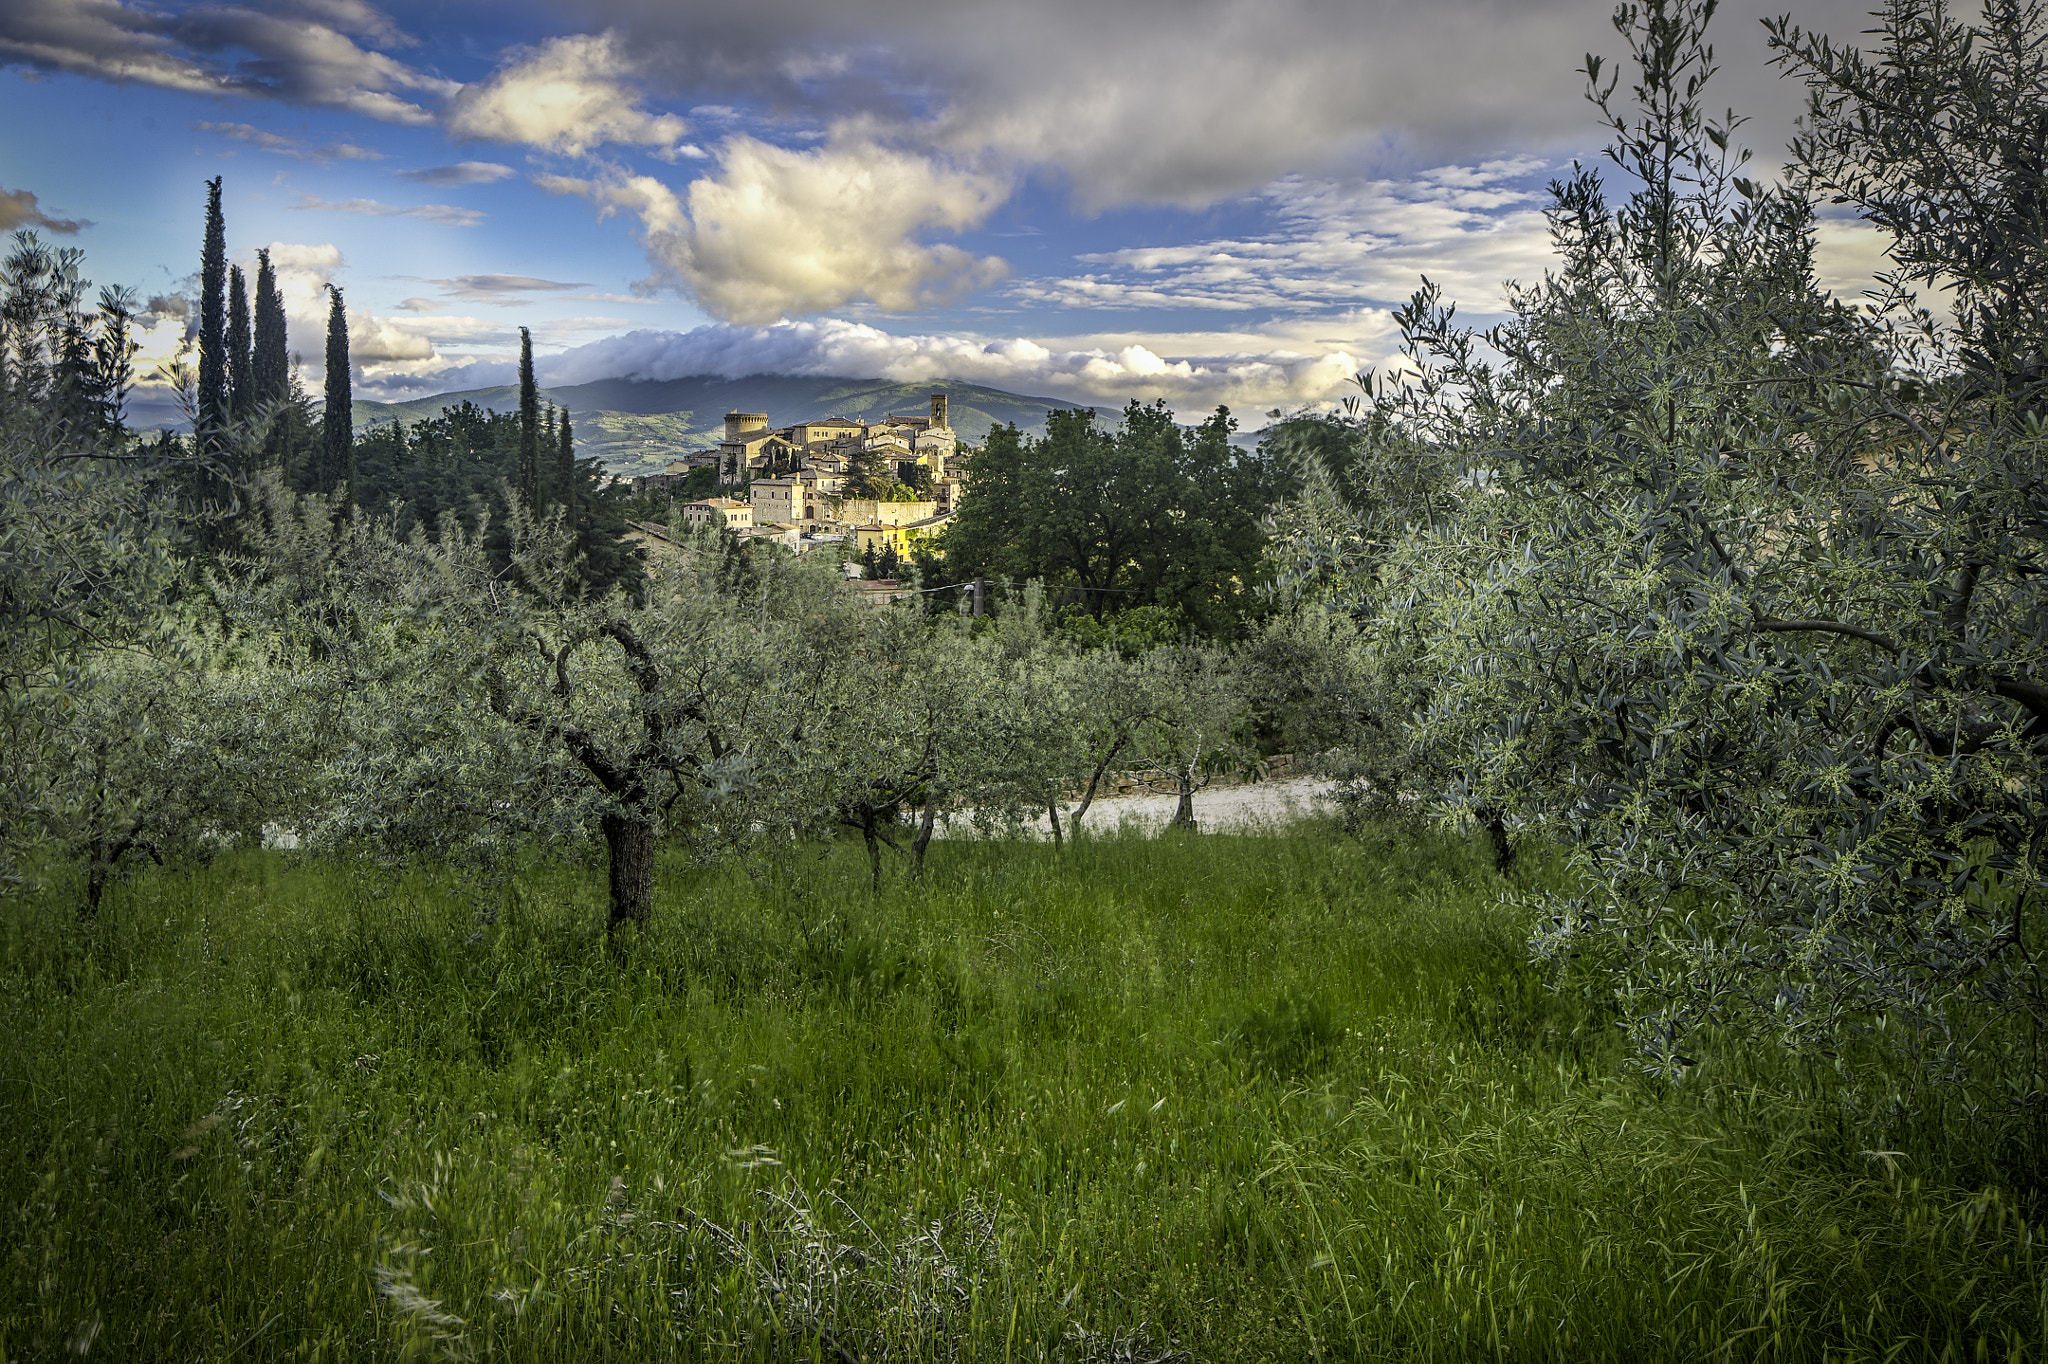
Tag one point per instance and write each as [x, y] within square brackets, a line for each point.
[1281, 1098]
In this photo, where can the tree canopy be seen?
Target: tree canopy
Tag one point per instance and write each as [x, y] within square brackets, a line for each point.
[1151, 513]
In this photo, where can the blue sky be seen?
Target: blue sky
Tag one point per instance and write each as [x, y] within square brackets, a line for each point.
[1205, 200]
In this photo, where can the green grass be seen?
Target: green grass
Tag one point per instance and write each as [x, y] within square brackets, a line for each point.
[1284, 1098]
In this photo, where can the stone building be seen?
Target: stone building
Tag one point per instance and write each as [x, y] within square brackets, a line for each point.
[752, 448]
[717, 511]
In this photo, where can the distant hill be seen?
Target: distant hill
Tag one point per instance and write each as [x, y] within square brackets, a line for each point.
[637, 425]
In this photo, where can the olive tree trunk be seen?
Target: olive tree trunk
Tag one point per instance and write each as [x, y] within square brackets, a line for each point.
[630, 842]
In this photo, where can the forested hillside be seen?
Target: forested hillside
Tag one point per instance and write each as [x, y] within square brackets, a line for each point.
[635, 426]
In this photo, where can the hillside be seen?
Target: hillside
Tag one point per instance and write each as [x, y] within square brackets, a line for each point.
[637, 425]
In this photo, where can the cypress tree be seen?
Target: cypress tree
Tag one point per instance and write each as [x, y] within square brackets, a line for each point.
[529, 426]
[213, 278]
[271, 364]
[241, 359]
[565, 472]
[337, 423]
[547, 450]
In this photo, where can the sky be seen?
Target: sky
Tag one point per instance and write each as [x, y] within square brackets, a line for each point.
[1209, 201]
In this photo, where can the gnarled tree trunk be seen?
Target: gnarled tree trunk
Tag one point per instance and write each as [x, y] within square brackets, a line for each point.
[630, 841]
[1080, 811]
[1184, 813]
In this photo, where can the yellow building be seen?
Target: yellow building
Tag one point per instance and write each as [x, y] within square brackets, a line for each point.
[877, 537]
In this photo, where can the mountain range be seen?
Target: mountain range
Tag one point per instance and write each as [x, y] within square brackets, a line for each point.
[637, 425]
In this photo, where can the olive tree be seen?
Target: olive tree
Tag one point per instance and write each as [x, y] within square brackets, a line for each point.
[1741, 592]
[1195, 729]
[91, 533]
[175, 754]
[472, 710]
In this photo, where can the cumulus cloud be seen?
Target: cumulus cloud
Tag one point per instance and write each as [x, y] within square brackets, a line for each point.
[777, 231]
[316, 258]
[448, 215]
[568, 95]
[302, 53]
[375, 343]
[461, 173]
[1190, 101]
[19, 208]
[289, 146]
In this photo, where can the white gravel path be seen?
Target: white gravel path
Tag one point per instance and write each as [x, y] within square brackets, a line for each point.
[1220, 809]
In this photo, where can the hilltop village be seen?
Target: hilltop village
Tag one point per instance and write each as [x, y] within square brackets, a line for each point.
[876, 486]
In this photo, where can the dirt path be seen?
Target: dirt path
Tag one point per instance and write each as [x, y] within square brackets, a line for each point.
[1221, 809]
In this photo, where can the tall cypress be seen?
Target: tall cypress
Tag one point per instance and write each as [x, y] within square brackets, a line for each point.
[565, 472]
[337, 423]
[241, 358]
[213, 369]
[529, 426]
[271, 364]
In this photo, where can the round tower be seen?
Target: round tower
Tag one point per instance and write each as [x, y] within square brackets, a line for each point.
[738, 424]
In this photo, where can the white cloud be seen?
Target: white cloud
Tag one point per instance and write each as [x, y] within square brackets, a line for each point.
[448, 215]
[103, 38]
[461, 173]
[315, 257]
[375, 343]
[777, 231]
[1336, 244]
[568, 95]
[1243, 379]
[503, 290]
[1191, 101]
[301, 54]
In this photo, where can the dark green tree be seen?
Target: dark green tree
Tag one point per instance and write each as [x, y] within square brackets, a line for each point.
[241, 358]
[565, 471]
[529, 426]
[1150, 513]
[213, 356]
[861, 478]
[286, 421]
[337, 419]
[270, 362]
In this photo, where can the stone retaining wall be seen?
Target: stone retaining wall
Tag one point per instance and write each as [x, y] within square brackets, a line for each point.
[1160, 781]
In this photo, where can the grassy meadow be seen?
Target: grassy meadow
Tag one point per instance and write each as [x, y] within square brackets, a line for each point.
[1292, 1097]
